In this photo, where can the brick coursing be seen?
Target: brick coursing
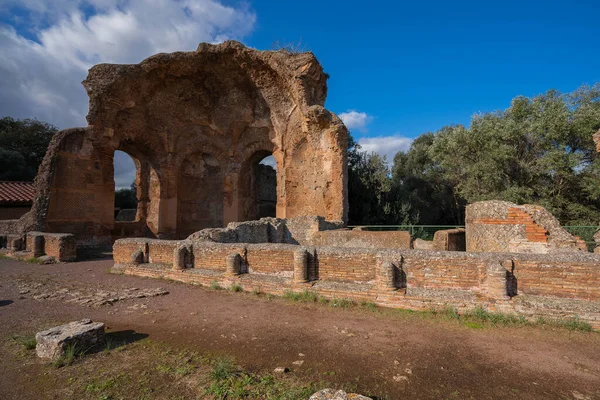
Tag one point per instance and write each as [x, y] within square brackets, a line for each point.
[556, 285]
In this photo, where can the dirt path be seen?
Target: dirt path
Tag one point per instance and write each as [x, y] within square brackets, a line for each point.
[400, 356]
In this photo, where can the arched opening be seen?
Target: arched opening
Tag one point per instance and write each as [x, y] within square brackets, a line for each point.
[126, 200]
[258, 187]
[137, 194]
[265, 181]
[199, 194]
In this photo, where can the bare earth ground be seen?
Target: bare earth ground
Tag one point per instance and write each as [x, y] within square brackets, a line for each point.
[390, 355]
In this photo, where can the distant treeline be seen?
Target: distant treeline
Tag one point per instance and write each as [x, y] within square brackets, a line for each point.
[538, 151]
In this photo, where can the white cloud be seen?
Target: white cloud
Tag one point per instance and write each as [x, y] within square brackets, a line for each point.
[385, 145]
[41, 78]
[355, 120]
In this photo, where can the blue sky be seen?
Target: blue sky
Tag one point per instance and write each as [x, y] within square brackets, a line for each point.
[417, 66]
[397, 68]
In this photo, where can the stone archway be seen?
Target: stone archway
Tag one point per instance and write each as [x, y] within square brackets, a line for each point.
[225, 100]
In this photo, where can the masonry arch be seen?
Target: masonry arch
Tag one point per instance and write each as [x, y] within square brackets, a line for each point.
[170, 106]
[258, 186]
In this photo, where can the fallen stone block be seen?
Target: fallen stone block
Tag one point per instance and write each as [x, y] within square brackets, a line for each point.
[331, 394]
[47, 259]
[84, 335]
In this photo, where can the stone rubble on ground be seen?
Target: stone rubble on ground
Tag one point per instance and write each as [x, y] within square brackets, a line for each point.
[332, 394]
[281, 370]
[83, 295]
[84, 335]
[47, 260]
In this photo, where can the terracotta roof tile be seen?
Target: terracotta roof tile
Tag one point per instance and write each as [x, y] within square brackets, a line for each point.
[16, 192]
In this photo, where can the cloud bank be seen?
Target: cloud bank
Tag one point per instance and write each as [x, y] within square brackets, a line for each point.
[47, 47]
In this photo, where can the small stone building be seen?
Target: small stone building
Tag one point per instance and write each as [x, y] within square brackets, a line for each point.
[16, 199]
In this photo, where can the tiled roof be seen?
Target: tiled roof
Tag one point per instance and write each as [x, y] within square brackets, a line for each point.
[16, 192]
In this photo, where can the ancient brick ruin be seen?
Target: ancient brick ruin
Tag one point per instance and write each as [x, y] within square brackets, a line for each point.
[500, 226]
[197, 124]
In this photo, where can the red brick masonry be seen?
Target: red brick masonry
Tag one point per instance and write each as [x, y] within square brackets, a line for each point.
[533, 285]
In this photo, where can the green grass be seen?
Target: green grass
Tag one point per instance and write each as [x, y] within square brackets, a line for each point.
[256, 292]
[227, 381]
[100, 385]
[341, 303]
[33, 260]
[28, 342]
[236, 288]
[479, 317]
[215, 286]
[368, 305]
[69, 357]
[305, 296]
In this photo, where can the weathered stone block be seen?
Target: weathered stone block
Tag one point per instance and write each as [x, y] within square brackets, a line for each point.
[332, 394]
[84, 335]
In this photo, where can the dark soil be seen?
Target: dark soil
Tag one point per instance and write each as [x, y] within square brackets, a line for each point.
[390, 355]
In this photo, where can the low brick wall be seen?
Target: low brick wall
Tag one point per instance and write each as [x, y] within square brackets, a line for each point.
[214, 257]
[362, 239]
[576, 280]
[271, 259]
[345, 265]
[556, 285]
[155, 250]
[61, 246]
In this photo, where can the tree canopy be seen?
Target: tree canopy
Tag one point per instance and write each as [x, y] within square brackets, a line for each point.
[23, 144]
[538, 151]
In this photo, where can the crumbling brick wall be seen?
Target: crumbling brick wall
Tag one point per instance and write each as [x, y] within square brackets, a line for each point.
[500, 226]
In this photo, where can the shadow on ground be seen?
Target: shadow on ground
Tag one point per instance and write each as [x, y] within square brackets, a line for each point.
[5, 302]
[123, 338]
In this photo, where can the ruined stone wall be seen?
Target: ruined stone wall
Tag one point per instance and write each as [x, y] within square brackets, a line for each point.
[196, 124]
[550, 285]
[500, 226]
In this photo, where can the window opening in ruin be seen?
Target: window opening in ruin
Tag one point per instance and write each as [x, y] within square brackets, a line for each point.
[265, 181]
[125, 187]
